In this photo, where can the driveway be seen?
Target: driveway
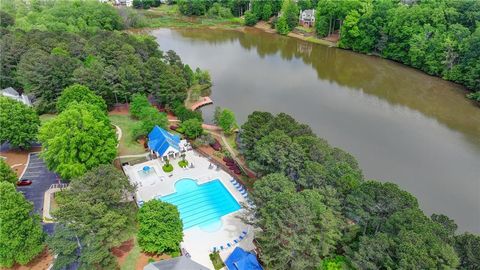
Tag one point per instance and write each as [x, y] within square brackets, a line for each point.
[42, 179]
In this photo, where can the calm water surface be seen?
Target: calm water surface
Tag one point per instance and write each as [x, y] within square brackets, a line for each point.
[402, 125]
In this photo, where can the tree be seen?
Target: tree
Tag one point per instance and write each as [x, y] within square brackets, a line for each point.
[251, 131]
[250, 18]
[409, 240]
[160, 228]
[78, 139]
[290, 242]
[6, 173]
[7, 19]
[149, 118]
[277, 153]
[192, 128]
[21, 235]
[467, 246]
[290, 13]
[79, 93]
[267, 187]
[93, 211]
[282, 26]
[372, 203]
[138, 103]
[19, 123]
[226, 120]
[192, 7]
[165, 82]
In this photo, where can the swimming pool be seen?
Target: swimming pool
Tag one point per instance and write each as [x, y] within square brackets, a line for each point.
[201, 205]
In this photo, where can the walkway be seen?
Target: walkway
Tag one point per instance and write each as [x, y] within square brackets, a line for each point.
[204, 101]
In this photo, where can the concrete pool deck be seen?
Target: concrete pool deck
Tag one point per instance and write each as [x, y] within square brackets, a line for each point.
[197, 241]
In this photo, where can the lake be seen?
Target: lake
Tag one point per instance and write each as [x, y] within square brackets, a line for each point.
[402, 125]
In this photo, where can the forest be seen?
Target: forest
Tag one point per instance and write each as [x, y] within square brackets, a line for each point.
[317, 211]
[43, 56]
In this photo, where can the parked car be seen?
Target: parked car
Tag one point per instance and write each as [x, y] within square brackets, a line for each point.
[24, 182]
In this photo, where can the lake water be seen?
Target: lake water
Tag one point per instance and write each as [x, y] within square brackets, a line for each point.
[402, 125]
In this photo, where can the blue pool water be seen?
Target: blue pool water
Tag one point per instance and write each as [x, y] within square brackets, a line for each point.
[201, 205]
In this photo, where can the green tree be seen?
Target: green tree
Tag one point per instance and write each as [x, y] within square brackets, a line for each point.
[290, 13]
[192, 7]
[160, 228]
[372, 203]
[6, 173]
[282, 26]
[21, 235]
[226, 120]
[149, 118]
[251, 131]
[7, 19]
[138, 103]
[19, 123]
[192, 128]
[94, 212]
[250, 18]
[78, 139]
[267, 11]
[79, 93]
[467, 246]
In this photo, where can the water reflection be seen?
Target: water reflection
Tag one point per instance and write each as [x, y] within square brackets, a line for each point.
[402, 125]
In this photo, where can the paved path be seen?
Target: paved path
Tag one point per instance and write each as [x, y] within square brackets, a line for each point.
[203, 102]
[42, 179]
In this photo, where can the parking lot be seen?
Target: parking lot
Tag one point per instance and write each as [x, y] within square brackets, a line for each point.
[41, 179]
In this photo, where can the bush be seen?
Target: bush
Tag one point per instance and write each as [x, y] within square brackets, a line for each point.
[139, 102]
[185, 114]
[183, 163]
[216, 260]
[217, 11]
[167, 168]
[250, 18]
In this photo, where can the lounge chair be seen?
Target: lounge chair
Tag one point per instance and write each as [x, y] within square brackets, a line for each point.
[241, 237]
[236, 241]
[229, 245]
[244, 232]
[222, 248]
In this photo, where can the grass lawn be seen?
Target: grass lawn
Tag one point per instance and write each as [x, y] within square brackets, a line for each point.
[132, 257]
[231, 140]
[170, 16]
[128, 146]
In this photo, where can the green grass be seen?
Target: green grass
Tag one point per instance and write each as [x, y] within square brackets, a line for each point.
[319, 41]
[216, 260]
[231, 140]
[170, 16]
[128, 145]
[132, 257]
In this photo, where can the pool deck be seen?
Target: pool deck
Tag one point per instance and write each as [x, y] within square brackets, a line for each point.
[196, 241]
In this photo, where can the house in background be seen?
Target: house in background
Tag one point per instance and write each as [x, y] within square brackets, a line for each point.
[13, 94]
[307, 18]
[165, 145]
[127, 3]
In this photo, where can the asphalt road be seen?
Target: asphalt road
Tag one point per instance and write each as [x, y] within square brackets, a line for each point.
[41, 179]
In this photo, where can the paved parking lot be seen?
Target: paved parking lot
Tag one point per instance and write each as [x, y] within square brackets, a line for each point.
[42, 179]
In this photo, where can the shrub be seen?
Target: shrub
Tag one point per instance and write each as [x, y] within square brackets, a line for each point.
[183, 163]
[217, 11]
[6, 173]
[250, 18]
[185, 114]
[167, 168]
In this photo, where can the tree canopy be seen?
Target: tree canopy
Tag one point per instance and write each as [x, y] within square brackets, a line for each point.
[21, 235]
[79, 93]
[19, 123]
[192, 128]
[6, 173]
[94, 211]
[160, 228]
[78, 139]
[225, 118]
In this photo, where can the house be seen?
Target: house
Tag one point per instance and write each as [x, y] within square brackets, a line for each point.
[13, 94]
[164, 144]
[178, 263]
[307, 17]
[127, 3]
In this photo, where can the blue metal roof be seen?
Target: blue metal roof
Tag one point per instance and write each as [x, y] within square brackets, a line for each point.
[159, 140]
[242, 260]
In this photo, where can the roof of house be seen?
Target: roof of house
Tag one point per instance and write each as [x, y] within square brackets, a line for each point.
[178, 263]
[10, 91]
[159, 140]
[308, 13]
[242, 260]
